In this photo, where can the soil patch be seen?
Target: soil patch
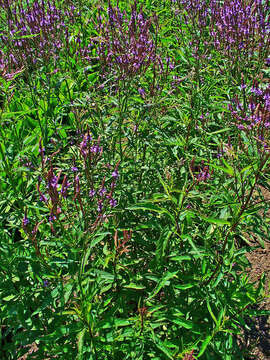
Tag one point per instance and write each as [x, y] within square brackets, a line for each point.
[257, 339]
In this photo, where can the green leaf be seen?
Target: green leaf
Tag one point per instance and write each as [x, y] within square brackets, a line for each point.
[150, 207]
[122, 322]
[9, 115]
[253, 312]
[80, 343]
[228, 171]
[25, 36]
[211, 312]
[220, 222]
[165, 187]
[105, 275]
[219, 131]
[162, 244]
[221, 315]
[10, 297]
[62, 331]
[162, 283]
[134, 286]
[204, 345]
[184, 286]
[161, 346]
[181, 258]
[68, 291]
[98, 238]
[189, 238]
[187, 324]
[68, 312]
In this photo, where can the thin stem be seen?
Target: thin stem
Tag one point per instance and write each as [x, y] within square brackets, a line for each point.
[235, 224]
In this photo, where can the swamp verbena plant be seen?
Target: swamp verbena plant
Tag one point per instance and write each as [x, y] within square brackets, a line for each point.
[136, 253]
[239, 30]
[128, 46]
[92, 192]
[37, 32]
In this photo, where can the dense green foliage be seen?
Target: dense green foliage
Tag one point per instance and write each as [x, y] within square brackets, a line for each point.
[134, 149]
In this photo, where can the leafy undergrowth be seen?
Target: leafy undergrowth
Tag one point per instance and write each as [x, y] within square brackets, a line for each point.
[134, 165]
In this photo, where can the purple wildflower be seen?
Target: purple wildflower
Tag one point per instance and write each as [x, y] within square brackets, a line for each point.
[204, 174]
[113, 202]
[100, 206]
[46, 27]
[77, 185]
[115, 174]
[25, 221]
[243, 86]
[43, 198]
[95, 149]
[51, 218]
[141, 91]
[102, 191]
[65, 186]
[129, 49]
[92, 193]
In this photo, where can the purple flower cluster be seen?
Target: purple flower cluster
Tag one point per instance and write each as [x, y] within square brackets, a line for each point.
[194, 18]
[254, 116]
[126, 44]
[103, 195]
[201, 172]
[6, 71]
[204, 174]
[91, 153]
[237, 28]
[90, 148]
[189, 356]
[25, 221]
[55, 192]
[64, 187]
[94, 197]
[35, 32]
[239, 25]
[27, 163]
[194, 11]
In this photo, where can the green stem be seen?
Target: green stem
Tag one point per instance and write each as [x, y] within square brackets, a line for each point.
[235, 224]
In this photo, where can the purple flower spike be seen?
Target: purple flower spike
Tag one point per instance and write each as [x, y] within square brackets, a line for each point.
[95, 149]
[135, 128]
[100, 206]
[141, 91]
[41, 150]
[102, 191]
[65, 186]
[113, 202]
[52, 218]
[115, 174]
[43, 198]
[204, 174]
[25, 221]
[92, 193]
